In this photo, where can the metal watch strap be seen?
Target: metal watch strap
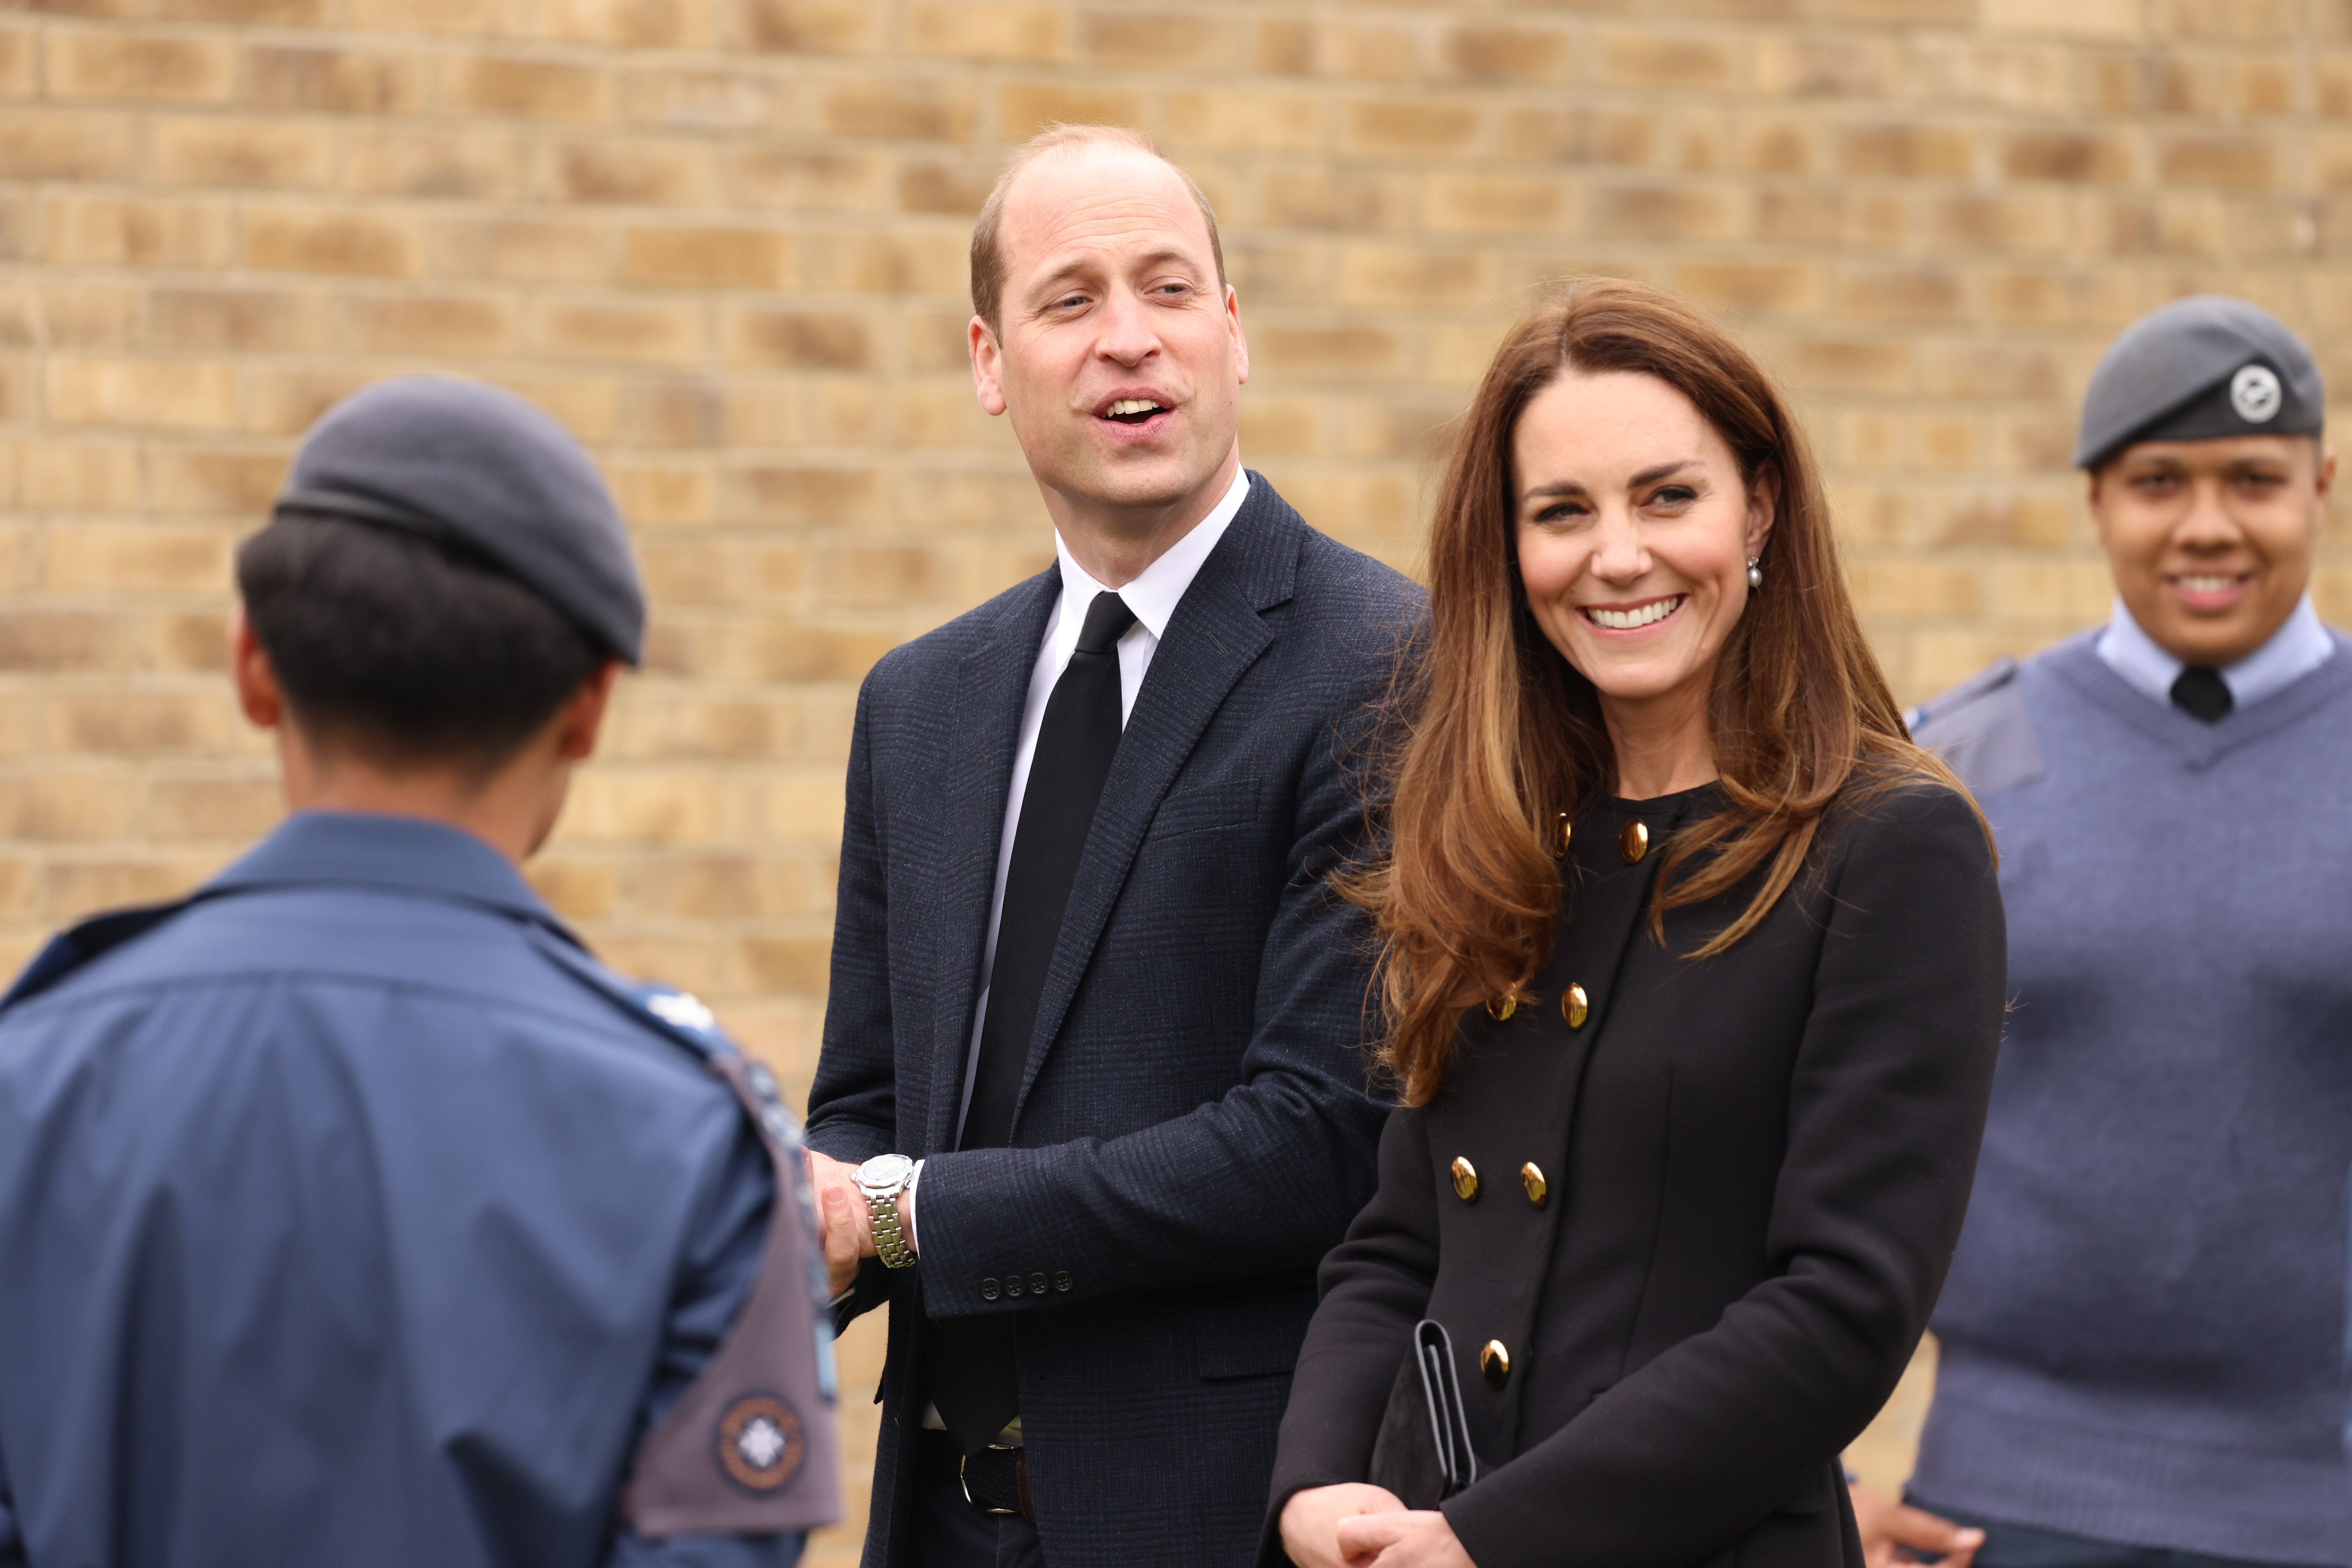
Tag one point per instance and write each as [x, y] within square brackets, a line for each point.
[889, 1239]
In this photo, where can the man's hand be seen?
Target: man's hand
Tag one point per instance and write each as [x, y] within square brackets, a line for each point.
[1888, 1525]
[841, 1210]
[1420, 1538]
[1311, 1520]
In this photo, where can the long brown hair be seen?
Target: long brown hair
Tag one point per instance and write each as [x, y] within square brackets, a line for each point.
[1503, 735]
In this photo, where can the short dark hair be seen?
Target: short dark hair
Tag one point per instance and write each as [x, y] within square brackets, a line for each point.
[405, 649]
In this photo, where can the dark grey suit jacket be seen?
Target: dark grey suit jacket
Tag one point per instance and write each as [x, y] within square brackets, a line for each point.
[1193, 1132]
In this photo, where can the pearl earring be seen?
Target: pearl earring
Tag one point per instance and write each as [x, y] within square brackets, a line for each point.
[1756, 571]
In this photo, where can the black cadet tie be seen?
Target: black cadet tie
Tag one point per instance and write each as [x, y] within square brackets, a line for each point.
[2201, 691]
[971, 1378]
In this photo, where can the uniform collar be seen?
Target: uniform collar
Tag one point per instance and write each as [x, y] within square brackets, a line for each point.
[2294, 651]
[402, 854]
[1154, 593]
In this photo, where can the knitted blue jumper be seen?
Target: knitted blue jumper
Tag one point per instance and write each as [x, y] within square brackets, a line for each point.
[2143, 1334]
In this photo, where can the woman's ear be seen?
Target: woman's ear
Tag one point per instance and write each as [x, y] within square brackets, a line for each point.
[1763, 507]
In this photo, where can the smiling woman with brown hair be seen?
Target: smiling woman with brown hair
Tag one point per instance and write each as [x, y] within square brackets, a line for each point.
[1692, 970]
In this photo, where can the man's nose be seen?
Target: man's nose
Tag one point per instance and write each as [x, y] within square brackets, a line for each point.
[2208, 524]
[1127, 334]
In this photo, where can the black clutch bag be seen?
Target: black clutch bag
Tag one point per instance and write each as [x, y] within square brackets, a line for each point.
[1423, 1454]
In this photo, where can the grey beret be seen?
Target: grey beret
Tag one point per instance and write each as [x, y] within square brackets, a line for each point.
[457, 460]
[2199, 369]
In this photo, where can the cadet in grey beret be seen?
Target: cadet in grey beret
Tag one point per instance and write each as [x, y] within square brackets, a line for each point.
[459, 461]
[2197, 369]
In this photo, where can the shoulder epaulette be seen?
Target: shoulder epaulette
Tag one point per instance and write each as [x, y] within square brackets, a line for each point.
[84, 943]
[1983, 683]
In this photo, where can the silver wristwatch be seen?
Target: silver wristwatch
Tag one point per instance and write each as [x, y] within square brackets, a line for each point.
[882, 1179]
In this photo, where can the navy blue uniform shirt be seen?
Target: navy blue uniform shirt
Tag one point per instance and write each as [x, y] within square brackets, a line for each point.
[340, 1222]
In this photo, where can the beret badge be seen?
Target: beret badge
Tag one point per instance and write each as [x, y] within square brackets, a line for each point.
[2255, 394]
[760, 1443]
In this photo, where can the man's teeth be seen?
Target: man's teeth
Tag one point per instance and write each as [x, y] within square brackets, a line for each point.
[1627, 620]
[1132, 406]
[2208, 585]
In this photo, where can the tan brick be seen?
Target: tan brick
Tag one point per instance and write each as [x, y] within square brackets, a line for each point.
[1124, 38]
[476, 163]
[1627, 57]
[529, 89]
[1748, 286]
[919, 263]
[813, 26]
[1286, 46]
[639, 173]
[799, 340]
[680, 412]
[463, 326]
[53, 144]
[1506, 204]
[77, 641]
[185, 395]
[63, 313]
[143, 66]
[288, 240]
[1312, 199]
[2078, 18]
[20, 56]
[261, 153]
[234, 483]
[528, 250]
[1329, 351]
[1908, 152]
[956, 189]
[631, 24]
[93, 555]
[2070, 155]
[1373, 51]
[661, 494]
[1833, 67]
[899, 110]
[1024, 108]
[1484, 52]
[644, 333]
[1253, 121]
[240, 319]
[135, 723]
[705, 257]
[331, 80]
[1663, 212]
[828, 179]
[1900, 293]
[233, 810]
[702, 98]
[144, 234]
[986, 30]
[82, 476]
[59, 808]
[246, 13]
[1412, 278]
[2229, 163]
[775, 493]
[1409, 126]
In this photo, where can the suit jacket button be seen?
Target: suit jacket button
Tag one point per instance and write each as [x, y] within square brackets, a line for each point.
[1036, 1284]
[1013, 1284]
[1064, 1283]
[1575, 1006]
[1495, 1361]
[1532, 1177]
[990, 1289]
[1466, 1180]
[1634, 842]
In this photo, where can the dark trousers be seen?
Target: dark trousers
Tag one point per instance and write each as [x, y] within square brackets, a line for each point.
[2024, 1546]
[952, 1534]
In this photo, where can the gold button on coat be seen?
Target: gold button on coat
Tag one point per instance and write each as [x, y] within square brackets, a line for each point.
[1466, 1180]
[1633, 840]
[1501, 1009]
[1575, 1006]
[1531, 1178]
[1495, 1361]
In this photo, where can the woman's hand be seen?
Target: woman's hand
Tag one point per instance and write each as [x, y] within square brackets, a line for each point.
[1311, 1520]
[1422, 1538]
[1888, 1526]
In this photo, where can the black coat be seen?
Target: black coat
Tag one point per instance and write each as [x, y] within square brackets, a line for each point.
[1754, 1170]
[1194, 1131]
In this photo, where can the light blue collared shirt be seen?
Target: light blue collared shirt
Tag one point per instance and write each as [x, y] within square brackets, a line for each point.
[2294, 650]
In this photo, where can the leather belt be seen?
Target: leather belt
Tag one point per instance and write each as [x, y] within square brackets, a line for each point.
[996, 1480]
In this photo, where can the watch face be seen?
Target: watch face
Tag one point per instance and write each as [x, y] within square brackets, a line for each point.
[883, 1172]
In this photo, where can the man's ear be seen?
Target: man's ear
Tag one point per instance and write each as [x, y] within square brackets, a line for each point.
[987, 365]
[582, 718]
[2324, 481]
[257, 692]
[2094, 496]
[1241, 339]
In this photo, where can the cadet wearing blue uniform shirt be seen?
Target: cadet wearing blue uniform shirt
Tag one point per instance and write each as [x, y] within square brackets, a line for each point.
[2142, 1328]
[349, 1213]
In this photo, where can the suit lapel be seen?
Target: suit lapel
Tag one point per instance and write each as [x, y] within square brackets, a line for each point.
[991, 685]
[1217, 632]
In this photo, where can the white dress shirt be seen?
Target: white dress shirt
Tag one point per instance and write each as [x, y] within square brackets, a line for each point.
[1153, 596]
[2294, 651]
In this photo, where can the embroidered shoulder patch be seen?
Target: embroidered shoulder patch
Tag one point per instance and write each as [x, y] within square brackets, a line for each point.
[760, 1443]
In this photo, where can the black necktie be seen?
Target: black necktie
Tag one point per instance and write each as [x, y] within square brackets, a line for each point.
[2202, 692]
[973, 1380]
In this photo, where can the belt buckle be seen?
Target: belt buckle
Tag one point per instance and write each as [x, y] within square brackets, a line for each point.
[963, 1480]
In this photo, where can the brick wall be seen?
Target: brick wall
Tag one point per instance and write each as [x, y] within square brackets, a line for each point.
[723, 239]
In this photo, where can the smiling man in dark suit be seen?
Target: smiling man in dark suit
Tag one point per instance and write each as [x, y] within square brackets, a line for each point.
[1095, 1012]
